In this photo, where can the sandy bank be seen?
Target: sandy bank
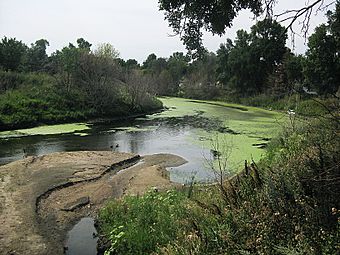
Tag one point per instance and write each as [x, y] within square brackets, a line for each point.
[42, 197]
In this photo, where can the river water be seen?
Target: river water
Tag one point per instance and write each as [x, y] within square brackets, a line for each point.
[186, 129]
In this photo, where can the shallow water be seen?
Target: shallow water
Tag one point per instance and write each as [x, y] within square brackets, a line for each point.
[186, 129]
[81, 239]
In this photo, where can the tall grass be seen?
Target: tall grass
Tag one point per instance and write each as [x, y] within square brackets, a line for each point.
[140, 225]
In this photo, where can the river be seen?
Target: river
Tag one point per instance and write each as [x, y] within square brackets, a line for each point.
[196, 130]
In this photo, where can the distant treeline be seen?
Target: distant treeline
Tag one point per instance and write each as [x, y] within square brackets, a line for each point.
[79, 83]
[72, 84]
[255, 63]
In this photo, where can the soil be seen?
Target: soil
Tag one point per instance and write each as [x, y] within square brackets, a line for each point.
[43, 197]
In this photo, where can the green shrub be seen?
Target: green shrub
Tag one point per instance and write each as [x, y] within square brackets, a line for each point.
[10, 80]
[142, 224]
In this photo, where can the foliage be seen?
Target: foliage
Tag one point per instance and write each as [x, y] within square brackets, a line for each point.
[323, 64]
[245, 65]
[165, 75]
[106, 50]
[12, 54]
[36, 58]
[200, 79]
[73, 84]
[188, 18]
[10, 80]
[140, 225]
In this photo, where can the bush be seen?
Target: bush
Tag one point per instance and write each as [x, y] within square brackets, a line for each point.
[32, 99]
[10, 80]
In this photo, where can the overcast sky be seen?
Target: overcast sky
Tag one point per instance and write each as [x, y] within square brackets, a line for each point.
[134, 27]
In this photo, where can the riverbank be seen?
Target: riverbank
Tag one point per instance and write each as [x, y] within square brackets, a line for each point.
[42, 197]
[32, 99]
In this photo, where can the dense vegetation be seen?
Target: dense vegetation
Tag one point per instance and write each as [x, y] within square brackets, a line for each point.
[288, 203]
[70, 85]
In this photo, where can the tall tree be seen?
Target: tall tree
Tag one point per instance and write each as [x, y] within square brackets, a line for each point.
[177, 67]
[149, 60]
[12, 54]
[245, 65]
[322, 66]
[36, 56]
[66, 62]
[200, 79]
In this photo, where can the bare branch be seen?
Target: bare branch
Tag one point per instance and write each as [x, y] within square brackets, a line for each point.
[303, 13]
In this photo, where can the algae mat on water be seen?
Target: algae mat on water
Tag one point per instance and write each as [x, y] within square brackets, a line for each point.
[242, 131]
[47, 130]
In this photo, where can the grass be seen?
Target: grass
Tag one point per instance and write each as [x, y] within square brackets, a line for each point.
[141, 225]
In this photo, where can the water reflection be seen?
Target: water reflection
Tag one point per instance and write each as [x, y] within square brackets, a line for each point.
[159, 138]
[82, 238]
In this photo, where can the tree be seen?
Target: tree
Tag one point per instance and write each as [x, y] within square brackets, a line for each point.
[287, 76]
[66, 62]
[177, 67]
[189, 18]
[137, 87]
[244, 66]
[12, 54]
[200, 79]
[36, 56]
[83, 44]
[148, 62]
[98, 77]
[106, 50]
[334, 24]
[322, 65]
[131, 64]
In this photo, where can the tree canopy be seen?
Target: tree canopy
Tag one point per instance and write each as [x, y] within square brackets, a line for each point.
[189, 18]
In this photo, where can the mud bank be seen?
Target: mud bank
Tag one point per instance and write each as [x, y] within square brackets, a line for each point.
[42, 197]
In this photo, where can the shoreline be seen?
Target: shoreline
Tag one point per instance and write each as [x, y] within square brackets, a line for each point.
[90, 121]
[43, 197]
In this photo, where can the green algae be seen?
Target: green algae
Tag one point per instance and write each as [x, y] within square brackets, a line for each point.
[133, 129]
[47, 130]
[242, 127]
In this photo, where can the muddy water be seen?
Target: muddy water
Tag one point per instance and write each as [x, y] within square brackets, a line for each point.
[188, 129]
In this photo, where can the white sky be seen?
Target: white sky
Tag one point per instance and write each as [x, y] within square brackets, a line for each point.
[134, 27]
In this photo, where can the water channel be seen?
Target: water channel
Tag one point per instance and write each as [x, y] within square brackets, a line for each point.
[187, 128]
